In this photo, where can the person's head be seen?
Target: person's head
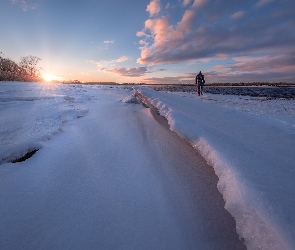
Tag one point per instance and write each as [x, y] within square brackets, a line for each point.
[200, 72]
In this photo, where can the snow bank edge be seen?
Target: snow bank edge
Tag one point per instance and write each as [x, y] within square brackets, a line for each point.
[253, 228]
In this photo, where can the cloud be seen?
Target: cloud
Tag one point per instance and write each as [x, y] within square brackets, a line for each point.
[169, 80]
[238, 15]
[25, 4]
[261, 3]
[154, 7]
[110, 67]
[128, 72]
[109, 42]
[199, 3]
[210, 30]
[186, 2]
[110, 63]
[183, 79]
[102, 63]
[140, 33]
[219, 77]
[266, 67]
[123, 59]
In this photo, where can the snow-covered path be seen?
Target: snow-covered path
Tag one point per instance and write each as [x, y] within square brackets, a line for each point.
[114, 179]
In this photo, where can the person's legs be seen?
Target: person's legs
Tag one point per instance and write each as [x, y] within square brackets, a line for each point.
[199, 89]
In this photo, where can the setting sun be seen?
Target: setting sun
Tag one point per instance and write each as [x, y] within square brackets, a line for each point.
[48, 77]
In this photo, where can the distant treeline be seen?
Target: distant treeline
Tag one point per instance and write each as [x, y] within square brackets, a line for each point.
[271, 84]
[252, 84]
[25, 71]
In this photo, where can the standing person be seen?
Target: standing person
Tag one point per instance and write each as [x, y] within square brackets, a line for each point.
[200, 80]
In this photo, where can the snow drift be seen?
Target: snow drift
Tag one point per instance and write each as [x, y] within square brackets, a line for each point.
[251, 153]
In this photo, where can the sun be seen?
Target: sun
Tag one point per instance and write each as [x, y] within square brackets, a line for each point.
[48, 77]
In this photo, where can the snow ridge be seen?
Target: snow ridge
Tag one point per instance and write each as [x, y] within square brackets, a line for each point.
[229, 153]
[229, 186]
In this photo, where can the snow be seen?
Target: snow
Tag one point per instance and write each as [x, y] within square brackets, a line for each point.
[250, 143]
[31, 113]
[109, 176]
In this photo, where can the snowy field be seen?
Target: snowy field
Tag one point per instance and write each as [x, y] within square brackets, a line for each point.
[108, 175]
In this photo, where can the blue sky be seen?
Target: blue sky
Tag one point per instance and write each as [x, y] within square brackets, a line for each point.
[153, 41]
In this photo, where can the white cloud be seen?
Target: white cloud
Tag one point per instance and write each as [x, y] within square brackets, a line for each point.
[109, 42]
[25, 4]
[103, 64]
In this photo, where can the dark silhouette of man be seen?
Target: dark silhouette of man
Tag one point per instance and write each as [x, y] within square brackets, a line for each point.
[200, 80]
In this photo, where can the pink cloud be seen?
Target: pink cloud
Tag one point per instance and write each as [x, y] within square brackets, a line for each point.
[238, 14]
[186, 23]
[261, 3]
[159, 29]
[140, 33]
[258, 65]
[199, 3]
[220, 67]
[289, 68]
[207, 32]
[222, 56]
[186, 2]
[166, 36]
[123, 59]
[154, 7]
[129, 72]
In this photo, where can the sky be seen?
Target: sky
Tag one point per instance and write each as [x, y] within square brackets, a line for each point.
[153, 41]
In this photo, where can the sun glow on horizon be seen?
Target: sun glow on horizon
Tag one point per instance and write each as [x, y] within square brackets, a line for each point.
[47, 77]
